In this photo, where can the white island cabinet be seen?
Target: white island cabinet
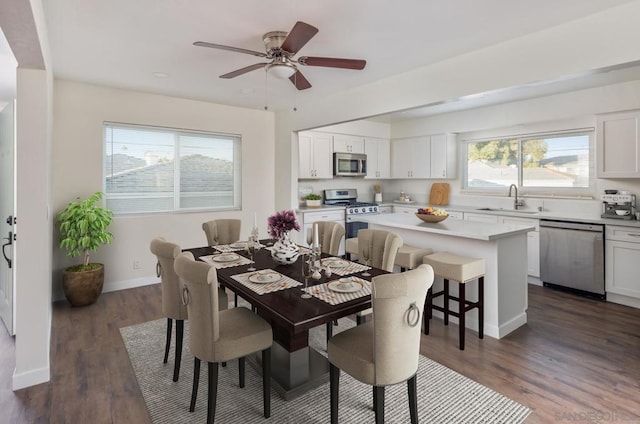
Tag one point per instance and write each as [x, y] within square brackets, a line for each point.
[621, 268]
[504, 249]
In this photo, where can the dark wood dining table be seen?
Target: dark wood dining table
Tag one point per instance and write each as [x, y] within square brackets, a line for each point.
[296, 367]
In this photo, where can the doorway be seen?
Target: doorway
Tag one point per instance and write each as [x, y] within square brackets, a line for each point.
[7, 214]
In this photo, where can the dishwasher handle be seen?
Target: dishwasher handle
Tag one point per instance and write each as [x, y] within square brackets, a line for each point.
[567, 225]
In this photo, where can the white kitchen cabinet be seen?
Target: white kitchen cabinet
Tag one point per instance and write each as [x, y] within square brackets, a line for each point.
[443, 157]
[431, 156]
[405, 209]
[410, 158]
[622, 255]
[618, 145]
[309, 217]
[378, 151]
[479, 217]
[455, 215]
[315, 155]
[348, 143]
[385, 209]
[533, 242]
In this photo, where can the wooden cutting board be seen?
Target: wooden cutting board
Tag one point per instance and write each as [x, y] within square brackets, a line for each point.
[439, 194]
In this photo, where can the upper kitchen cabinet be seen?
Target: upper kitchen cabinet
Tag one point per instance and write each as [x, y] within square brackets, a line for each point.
[410, 158]
[315, 155]
[431, 156]
[378, 151]
[348, 143]
[443, 156]
[618, 145]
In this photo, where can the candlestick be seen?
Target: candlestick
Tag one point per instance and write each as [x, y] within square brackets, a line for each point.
[315, 236]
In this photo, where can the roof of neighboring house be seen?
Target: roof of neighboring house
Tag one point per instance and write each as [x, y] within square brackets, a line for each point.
[197, 173]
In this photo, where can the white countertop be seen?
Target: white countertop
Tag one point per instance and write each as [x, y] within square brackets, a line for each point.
[449, 227]
[586, 217]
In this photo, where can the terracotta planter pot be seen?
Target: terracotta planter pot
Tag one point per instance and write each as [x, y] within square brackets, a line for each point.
[83, 288]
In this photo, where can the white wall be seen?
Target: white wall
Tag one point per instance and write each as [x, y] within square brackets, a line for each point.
[596, 41]
[79, 112]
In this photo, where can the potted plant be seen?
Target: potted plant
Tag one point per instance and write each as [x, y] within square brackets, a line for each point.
[83, 228]
[313, 200]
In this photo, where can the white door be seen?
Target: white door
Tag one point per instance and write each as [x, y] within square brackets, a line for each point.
[7, 214]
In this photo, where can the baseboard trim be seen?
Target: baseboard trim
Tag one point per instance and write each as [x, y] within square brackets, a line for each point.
[511, 325]
[623, 300]
[30, 378]
[117, 285]
[129, 284]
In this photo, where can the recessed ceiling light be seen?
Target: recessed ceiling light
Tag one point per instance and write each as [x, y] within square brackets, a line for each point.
[160, 75]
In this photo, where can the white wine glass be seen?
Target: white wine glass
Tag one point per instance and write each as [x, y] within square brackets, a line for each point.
[251, 248]
[366, 256]
[307, 272]
[309, 237]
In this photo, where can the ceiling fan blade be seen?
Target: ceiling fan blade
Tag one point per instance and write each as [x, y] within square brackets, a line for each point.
[299, 35]
[243, 70]
[229, 48]
[332, 62]
[300, 81]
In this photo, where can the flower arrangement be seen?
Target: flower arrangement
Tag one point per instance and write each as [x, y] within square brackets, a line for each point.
[282, 222]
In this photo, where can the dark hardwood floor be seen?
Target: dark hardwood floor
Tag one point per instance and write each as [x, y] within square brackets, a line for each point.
[577, 360]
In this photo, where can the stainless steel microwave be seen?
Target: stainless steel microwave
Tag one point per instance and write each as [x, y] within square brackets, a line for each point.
[349, 164]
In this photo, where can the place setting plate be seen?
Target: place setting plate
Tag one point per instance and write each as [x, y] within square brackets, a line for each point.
[345, 285]
[225, 257]
[336, 263]
[265, 277]
[238, 245]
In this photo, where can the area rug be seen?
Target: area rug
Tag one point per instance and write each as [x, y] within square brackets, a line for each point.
[444, 396]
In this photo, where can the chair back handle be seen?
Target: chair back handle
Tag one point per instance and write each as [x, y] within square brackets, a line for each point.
[413, 315]
[185, 295]
[158, 269]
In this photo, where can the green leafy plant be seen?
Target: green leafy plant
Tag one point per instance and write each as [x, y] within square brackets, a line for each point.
[83, 228]
[313, 197]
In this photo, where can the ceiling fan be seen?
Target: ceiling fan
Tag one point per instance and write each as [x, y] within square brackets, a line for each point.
[280, 47]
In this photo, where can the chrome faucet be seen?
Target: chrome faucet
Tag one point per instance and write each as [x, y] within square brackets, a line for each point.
[516, 203]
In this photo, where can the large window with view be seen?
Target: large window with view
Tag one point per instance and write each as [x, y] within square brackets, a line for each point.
[554, 163]
[149, 169]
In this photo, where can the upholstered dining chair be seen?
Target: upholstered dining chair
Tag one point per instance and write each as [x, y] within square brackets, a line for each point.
[220, 335]
[330, 235]
[386, 350]
[222, 231]
[172, 306]
[377, 248]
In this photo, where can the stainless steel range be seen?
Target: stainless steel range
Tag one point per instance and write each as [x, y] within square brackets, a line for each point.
[353, 209]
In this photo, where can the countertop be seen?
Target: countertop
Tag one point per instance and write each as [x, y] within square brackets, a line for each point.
[450, 227]
[585, 217]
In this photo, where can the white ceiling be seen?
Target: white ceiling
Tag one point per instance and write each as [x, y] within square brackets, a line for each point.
[122, 43]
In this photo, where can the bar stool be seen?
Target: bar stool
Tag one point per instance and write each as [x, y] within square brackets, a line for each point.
[410, 257]
[461, 269]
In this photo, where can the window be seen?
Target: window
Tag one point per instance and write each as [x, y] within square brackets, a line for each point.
[543, 163]
[149, 169]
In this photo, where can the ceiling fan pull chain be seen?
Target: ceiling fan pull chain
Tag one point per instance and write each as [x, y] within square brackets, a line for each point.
[265, 89]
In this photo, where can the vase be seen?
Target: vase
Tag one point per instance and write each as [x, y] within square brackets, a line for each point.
[285, 251]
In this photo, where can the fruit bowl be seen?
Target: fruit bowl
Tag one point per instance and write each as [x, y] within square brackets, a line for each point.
[431, 218]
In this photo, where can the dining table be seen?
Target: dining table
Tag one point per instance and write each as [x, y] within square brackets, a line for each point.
[296, 367]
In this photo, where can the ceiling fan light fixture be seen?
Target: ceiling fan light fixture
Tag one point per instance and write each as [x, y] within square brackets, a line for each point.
[281, 70]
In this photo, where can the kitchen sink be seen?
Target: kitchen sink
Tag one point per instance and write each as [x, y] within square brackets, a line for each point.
[506, 210]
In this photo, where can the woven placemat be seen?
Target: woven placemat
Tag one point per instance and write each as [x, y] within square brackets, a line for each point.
[284, 283]
[219, 265]
[323, 292]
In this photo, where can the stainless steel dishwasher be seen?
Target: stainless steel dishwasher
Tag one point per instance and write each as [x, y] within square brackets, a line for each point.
[572, 255]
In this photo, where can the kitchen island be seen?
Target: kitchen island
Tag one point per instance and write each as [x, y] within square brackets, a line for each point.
[504, 249]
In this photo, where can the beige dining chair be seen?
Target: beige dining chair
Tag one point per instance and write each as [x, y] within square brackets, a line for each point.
[222, 231]
[330, 235]
[217, 336]
[386, 350]
[172, 306]
[377, 248]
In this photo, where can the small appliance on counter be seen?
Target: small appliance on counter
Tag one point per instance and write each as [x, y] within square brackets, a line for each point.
[618, 204]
